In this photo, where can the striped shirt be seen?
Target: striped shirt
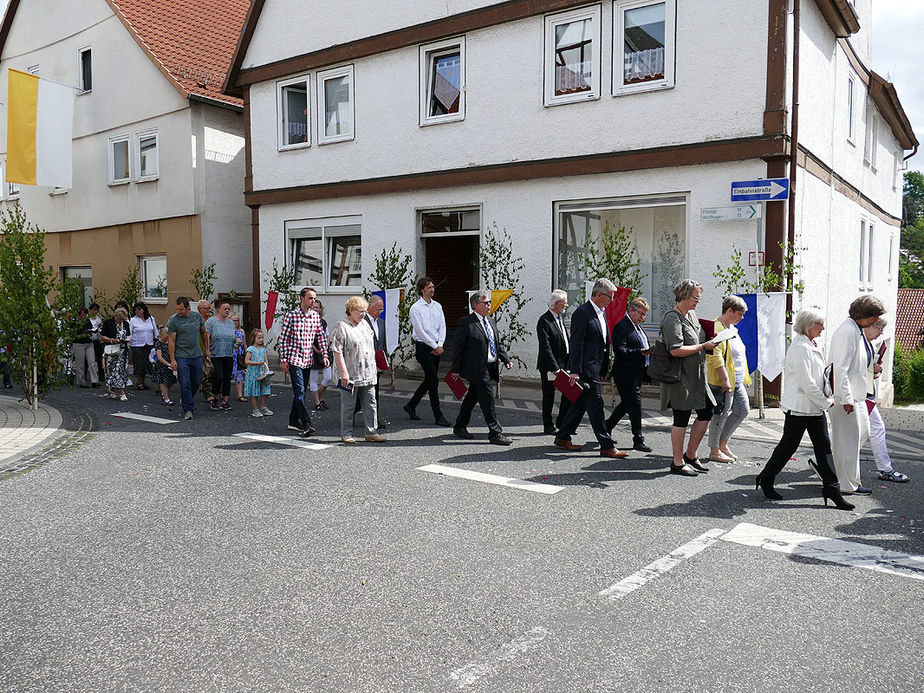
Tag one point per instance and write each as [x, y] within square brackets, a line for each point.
[299, 331]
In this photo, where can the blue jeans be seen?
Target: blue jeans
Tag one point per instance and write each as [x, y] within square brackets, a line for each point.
[299, 416]
[189, 373]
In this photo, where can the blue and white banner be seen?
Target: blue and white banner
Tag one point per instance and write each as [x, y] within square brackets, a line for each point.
[391, 298]
[763, 331]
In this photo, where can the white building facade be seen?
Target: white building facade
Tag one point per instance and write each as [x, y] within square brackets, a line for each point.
[555, 119]
[158, 160]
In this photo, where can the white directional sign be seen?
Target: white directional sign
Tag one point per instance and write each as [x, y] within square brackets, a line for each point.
[769, 189]
[730, 213]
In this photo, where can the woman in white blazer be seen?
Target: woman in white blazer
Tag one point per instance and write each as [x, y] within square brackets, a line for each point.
[805, 403]
[851, 354]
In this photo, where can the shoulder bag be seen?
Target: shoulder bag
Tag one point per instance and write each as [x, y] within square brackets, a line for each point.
[662, 366]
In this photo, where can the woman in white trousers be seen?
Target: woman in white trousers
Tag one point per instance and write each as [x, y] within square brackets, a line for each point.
[877, 432]
[851, 355]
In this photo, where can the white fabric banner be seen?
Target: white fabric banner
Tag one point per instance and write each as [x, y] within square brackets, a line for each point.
[54, 135]
[771, 334]
[390, 315]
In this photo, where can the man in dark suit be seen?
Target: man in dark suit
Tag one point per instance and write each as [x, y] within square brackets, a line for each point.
[476, 355]
[553, 357]
[588, 361]
[630, 356]
[377, 325]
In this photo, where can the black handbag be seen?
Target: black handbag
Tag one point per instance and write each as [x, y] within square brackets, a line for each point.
[662, 366]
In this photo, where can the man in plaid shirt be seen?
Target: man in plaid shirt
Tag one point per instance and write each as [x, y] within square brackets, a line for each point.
[301, 328]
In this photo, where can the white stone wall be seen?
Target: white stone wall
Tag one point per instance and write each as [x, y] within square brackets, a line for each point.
[525, 209]
[719, 94]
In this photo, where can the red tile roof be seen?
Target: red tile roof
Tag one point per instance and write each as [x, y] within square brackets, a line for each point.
[909, 318]
[191, 41]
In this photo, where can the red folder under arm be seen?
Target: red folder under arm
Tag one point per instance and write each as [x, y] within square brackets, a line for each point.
[563, 385]
[381, 362]
[457, 386]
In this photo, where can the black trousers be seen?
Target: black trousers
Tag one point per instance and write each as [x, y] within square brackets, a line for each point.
[221, 375]
[630, 402]
[794, 427]
[590, 401]
[479, 391]
[429, 362]
[548, 402]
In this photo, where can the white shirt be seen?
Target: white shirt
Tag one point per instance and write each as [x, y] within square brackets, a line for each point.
[428, 323]
[561, 328]
[601, 316]
[738, 358]
[96, 323]
[143, 331]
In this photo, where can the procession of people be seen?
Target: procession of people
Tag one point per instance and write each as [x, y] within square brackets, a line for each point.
[206, 349]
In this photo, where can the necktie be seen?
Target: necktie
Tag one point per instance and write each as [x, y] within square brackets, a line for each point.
[564, 335]
[492, 348]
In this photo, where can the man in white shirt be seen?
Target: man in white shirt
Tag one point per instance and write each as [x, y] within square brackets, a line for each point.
[429, 333]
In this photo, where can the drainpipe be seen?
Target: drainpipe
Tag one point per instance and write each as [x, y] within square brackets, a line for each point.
[793, 147]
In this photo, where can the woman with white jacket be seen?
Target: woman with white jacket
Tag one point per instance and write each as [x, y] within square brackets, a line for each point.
[851, 355]
[805, 403]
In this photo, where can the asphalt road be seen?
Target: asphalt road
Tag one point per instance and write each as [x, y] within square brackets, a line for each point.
[180, 557]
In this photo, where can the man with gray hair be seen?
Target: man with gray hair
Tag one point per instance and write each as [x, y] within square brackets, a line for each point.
[553, 357]
[476, 355]
[588, 359]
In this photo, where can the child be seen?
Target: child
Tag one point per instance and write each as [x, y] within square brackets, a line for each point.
[162, 374]
[319, 375]
[255, 360]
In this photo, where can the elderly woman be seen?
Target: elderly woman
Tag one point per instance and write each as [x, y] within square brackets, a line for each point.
[877, 432]
[728, 375]
[144, 334]
[851, 354]
[116, 334]
[804, 404]
[221, 331]
[354, 353]
[82, 352]
[685, 339]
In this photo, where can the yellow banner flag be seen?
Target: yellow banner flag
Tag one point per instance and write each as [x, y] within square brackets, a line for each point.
[498, 296]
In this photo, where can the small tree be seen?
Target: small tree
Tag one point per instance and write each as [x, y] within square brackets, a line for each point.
[734, 279]
[500, 268]
[130, 291]
[282, 280]
[38, 341]
[203, 281]
[614, 256]
[393, 271]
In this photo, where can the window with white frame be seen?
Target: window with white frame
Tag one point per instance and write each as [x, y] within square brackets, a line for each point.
[120, 170]
[293, 114]
[154, 278]
[643, 45]
[890, 272]
[863, 249]
[442, 81]
[870, 255]
[327, 253]
[851, 106]
[335, 105]
[146, 154]
[658, 228]
[85, 70]
[872, 137]
[8, 191]
[56, 190]
[572, 56]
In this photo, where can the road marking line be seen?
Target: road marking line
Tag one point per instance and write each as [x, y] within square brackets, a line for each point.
[530, 405]
[491, 479]
[846, 553]
[470, 673]
[283, 440]
[142, 417]
[662, 565]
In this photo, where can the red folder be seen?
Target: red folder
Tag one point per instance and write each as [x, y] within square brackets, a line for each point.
[456, 385]
[563, 385]
[381, 362]
[881, 353]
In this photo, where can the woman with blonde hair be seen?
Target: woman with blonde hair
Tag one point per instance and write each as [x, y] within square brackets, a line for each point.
[354, 353]
[728, 375]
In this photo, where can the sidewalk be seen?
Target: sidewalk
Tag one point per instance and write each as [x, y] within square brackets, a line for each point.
[23, 430]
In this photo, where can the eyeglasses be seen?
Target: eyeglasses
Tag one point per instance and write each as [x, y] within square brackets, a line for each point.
[819, 323]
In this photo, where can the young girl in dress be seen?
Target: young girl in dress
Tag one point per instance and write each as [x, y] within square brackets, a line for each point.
[255, 360]
[162, 374]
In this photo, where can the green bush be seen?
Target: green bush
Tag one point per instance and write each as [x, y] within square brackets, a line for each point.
[908, 375]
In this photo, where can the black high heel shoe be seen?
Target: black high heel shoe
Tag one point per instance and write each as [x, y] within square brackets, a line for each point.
[767, 488]
[695, 463]
[836, 498]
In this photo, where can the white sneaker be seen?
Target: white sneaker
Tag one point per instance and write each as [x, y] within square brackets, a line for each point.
[123, 398]
[257, 414]
[266, 411]
[187, 416]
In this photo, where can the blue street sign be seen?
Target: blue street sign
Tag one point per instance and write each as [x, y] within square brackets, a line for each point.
[769, 189]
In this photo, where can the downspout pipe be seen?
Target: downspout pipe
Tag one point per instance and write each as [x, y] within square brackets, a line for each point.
[793, 148]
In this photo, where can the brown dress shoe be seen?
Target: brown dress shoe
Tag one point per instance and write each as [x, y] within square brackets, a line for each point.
[566, 444]
[615, 454]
